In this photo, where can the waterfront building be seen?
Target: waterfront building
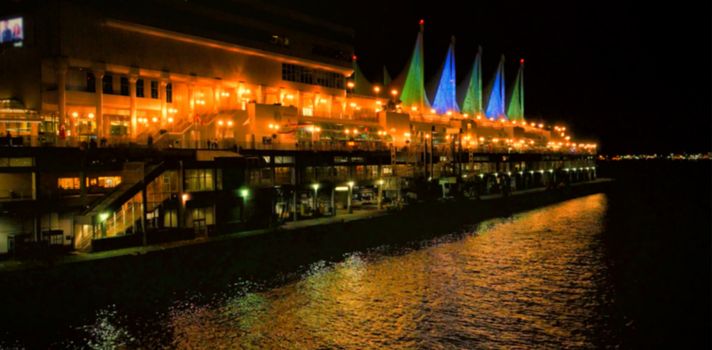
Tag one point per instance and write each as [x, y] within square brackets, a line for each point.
[190, 118]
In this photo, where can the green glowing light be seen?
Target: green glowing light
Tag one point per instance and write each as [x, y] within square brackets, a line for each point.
[472, 103]
[413, 92]
[515, 111]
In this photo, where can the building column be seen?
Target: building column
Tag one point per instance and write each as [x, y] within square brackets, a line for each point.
[259, 94]
[99, 87]
[299, 102]
[216, 98]
[195, 137]
[330, 106]
[61, 92]
[191, 101]
[240, 92]
[162, 97]
[132, 107]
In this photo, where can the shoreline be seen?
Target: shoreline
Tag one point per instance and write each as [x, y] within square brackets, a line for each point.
[359, 215]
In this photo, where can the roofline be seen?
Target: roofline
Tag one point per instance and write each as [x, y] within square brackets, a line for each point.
[211, 43]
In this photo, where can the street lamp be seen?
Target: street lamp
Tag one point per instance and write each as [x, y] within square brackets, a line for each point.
[380, 193]
[348, 199]
[316, 192]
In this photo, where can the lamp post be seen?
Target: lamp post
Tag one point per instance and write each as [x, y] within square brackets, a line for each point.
[380, 194]
[348, 198]
[316, 193]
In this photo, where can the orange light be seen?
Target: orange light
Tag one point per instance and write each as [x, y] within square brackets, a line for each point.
[75, 114]
[91, 115]
[170, 119]
[376, 89]
[229, 123]
[350, 85]
[154, 119]
[394, 92]
[220, 122]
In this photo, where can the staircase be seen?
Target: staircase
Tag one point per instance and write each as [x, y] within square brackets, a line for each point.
[111, 207]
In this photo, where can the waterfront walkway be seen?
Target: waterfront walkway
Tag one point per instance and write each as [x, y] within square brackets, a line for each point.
[342, 216]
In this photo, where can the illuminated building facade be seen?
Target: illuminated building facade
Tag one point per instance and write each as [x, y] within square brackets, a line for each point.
[196, 72]
[260, 83]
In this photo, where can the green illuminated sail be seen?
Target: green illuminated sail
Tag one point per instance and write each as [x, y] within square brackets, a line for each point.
[515, 111]
[472, 103]
[361, 84]
[413, 91]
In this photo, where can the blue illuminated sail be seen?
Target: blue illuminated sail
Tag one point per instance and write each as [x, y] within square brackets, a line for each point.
[495, 101]
[446, 94]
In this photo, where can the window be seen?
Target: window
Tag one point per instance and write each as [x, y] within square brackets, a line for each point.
[279, 40]
[170, 218]
[139, 88]
[124, 86]
[284, 159]
[169, 93]
[305, 75]
[68, 183]
[199, 180]
[91, 82]
[72, 183]
[108, 181]
[154, 89]
[200, 216]
[108, 84]
[17, 162]
[308, 111]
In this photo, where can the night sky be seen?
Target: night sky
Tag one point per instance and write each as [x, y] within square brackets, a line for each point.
[635, 77]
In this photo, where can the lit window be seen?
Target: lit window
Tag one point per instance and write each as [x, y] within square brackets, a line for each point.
[68, 183]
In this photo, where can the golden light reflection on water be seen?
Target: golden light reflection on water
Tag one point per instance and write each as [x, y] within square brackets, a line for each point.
[534, 280]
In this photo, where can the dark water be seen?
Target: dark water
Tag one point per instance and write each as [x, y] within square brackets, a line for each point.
[628, 268]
